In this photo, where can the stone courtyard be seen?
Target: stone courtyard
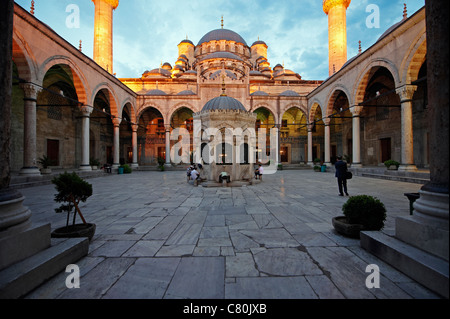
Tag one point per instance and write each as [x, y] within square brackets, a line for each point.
[159, 237]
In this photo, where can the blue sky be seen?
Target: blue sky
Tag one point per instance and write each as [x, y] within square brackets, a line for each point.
[147, 32]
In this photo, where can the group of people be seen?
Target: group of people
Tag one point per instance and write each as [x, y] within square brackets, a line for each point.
[340, 165]
[192, 172]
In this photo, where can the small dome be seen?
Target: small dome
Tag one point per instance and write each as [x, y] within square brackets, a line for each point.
[156, 92]
[259, 43]
[166, 66]
[224, 102]
[290, 93]
[278, 66]
[187, 41]
[186, 92]
[259, 93]
[222, 34]
[392, 28]
[157, 72]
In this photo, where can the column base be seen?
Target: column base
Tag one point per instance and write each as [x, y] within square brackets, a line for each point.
[407, 167]
[14, 217]
[356, 165]
[134, 165]
[167, 165]
[428, 228]
[29, 171]
[86, 168]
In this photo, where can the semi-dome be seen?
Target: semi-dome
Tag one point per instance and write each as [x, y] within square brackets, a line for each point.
[222, 34]
[221, 55]
[223, 102]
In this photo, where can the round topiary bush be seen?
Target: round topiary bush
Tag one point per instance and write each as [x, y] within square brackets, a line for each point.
[366, 210]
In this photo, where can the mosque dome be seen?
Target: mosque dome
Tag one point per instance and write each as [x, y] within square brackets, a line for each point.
[223, 102]
[259, 93]
[156, 92]
[186, 92]
[222, 34]
[290, 93]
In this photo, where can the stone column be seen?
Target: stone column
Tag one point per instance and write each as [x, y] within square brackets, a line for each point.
[278, 148]
[406, 93]
[134, 142]
[327, 160]
[310, 146]
[428, 228]
[116, 160]
[167, 129]
[85, 126]
[29, 132]
[14, 217]
[356, 136]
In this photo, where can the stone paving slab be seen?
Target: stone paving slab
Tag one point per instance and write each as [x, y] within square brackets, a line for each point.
[163, 238]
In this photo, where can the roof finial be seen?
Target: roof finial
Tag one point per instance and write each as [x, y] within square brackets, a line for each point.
[223, 86]
[359, 48]
[79, 47]
[32, 7]
[222, 22]
[405, 12]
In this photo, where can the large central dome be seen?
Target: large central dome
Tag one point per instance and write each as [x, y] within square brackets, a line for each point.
[223, 102]
[222, 34]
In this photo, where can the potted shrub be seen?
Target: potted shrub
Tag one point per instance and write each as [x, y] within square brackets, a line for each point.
[361, 212]
[391, 165]
[317, 168]
[95, 163]
[46, 162]
[126, 168]
[280, 167]
[72, 190]
[161, 162]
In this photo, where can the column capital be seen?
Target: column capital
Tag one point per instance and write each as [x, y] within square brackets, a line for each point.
[30, 90]
[85, 110]
[116, 121]
[134, 127]
[167, 127]
[328, 4]
[406, 92]
[113, 3]
[356, 110]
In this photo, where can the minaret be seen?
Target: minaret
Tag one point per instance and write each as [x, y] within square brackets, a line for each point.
[337, 33]
[103, 33]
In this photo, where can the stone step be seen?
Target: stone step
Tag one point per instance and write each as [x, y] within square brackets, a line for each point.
[408, 179]
[21, 278]
[427, 269]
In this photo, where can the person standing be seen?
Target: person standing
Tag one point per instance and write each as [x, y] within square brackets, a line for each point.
[341, 172]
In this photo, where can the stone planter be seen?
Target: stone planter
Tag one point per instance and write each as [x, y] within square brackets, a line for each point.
[46, 171]
[342, 227]
[393, 168]
[75, 231]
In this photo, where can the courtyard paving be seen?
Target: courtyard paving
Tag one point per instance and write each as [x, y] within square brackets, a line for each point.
[159, 237]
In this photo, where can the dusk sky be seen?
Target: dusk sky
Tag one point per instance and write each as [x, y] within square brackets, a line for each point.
[147, 32]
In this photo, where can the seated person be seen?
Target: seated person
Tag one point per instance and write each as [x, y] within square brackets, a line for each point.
[224, 176]
[194, 174]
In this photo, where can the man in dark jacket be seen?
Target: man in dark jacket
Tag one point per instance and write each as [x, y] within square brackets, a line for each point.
[341, 171]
